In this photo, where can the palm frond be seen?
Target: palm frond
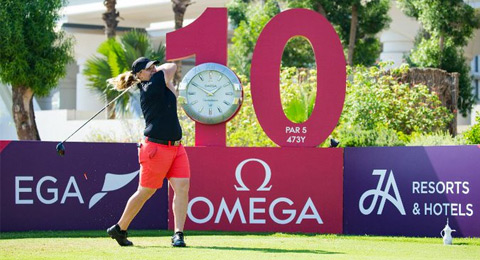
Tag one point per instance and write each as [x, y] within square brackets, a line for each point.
[115, 58]
[159, 54]
[139, 41]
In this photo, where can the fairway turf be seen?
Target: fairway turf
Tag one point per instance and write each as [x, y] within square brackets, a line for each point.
[229, 246]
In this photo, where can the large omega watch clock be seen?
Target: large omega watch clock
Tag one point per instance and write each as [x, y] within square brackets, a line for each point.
[210, 93]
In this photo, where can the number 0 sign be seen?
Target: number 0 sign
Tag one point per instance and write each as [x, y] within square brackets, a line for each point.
[207, 39]
[265, 78]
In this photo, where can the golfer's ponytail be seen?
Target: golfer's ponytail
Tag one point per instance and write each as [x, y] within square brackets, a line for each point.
[123, 81]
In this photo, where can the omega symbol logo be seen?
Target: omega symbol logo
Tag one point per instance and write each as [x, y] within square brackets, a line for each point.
[385, 194]
[238, 176]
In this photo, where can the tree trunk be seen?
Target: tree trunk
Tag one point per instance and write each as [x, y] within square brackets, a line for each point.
[111, 114]
[110, 18]
[441, 42]
[23, 113]
[353, 34]
[444, 84]
[321, 10]
[441, 45]
[179, 7]
[111, 22]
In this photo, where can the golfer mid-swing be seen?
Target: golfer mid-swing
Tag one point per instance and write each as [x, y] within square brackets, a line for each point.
[160, 153]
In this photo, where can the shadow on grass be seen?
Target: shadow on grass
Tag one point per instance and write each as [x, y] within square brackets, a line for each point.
[267, 250]
[255, 249]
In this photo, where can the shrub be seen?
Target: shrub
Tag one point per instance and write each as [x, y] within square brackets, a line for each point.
[378, 111]
[298, 88]
[352, 136]
[130, 131]
[375, 97]
[381, 111]
[434, 139]
[472, 135]
[244, 130]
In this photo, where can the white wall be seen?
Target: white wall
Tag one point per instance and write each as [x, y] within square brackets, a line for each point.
[86, 45]
[57, 125]
[398, 39]
[7, 126]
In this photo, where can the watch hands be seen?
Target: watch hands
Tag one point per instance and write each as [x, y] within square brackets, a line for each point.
[204, 90]
[215, 90]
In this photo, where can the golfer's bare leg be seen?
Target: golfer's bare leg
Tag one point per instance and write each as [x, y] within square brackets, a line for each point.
[134, 204]
[180, 201]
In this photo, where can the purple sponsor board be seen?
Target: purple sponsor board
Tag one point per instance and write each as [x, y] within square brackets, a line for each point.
[411, 191]
[86, 189]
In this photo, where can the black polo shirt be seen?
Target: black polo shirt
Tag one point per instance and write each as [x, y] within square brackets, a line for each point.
[159, 107]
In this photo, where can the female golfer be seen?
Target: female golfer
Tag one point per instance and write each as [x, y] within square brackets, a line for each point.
[160, 153]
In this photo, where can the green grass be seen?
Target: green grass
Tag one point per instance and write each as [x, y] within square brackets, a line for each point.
[229, 246]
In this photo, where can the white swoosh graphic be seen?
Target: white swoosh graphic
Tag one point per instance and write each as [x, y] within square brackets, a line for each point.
[112, 182]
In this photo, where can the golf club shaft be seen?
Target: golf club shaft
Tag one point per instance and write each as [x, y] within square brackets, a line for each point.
[100, 111]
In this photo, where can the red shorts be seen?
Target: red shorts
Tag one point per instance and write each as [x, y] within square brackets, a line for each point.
[158, 161]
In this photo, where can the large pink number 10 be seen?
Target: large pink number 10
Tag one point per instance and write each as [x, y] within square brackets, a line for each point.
[207, 39]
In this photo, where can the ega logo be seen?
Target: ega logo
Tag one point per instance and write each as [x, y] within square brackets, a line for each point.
[50, 195]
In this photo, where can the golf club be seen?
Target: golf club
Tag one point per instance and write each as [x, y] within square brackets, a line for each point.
[61, 148]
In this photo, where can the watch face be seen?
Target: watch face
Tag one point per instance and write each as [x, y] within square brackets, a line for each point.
[210, 93]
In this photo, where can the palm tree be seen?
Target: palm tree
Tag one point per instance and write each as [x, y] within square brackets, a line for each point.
[115, 58]
[110, 18]
[179, 7]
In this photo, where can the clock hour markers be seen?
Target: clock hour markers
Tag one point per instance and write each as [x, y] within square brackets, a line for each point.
[210, 93]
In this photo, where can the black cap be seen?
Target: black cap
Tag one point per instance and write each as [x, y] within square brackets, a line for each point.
[142, 63]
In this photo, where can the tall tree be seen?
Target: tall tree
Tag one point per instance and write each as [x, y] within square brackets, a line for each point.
[237, 11]
[111, 22]
[357, 22]
[110, 18]
[447, 27]
[250, 18]
[179, 8]
[353, 33]
[115, 58]
[33, 56]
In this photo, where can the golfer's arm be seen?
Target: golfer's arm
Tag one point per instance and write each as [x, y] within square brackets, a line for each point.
[168, 70]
